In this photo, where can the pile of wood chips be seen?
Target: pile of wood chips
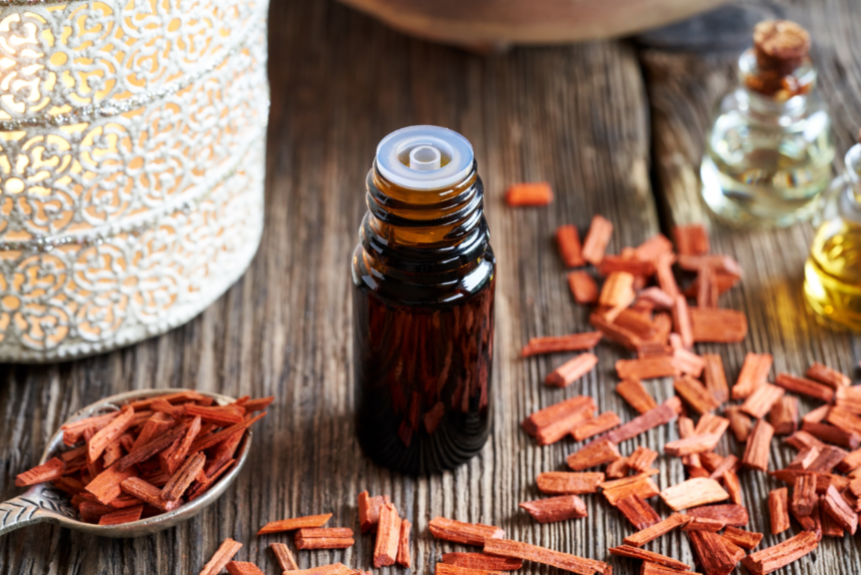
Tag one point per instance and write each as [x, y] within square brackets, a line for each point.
[641, 307]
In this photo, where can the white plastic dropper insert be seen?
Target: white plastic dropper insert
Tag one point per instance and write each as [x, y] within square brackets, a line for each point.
[424, 157]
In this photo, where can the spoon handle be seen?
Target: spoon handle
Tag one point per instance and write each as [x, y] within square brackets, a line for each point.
[36, 505]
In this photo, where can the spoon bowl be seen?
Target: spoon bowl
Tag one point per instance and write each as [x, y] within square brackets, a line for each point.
[43, 503]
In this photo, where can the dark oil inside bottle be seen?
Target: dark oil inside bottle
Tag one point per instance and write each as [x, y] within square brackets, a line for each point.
[423, 287]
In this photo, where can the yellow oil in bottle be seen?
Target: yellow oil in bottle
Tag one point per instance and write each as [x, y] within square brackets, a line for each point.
[832, 275]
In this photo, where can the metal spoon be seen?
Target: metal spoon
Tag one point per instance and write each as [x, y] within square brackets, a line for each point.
[43, 503]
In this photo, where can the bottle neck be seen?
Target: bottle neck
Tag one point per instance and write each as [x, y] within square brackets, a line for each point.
[775, 92]
[425, 231]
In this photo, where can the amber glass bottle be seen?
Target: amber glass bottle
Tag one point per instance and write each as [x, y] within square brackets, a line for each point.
[423, 286]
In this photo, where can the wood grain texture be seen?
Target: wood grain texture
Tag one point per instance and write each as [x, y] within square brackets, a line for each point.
[682, 88]
[577, 117]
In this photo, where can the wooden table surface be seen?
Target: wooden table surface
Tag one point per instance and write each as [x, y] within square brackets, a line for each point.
[615, 126]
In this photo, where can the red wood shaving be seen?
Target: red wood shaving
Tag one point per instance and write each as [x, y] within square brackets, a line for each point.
[635, 394]
[571, 371]
[693, 493]
[324, 542]
[594, 426]
[688, 362]
[109, 433]
[744, 539]
[552, 423]
[836, 506]
[657, 530]
[618, 290]
[763, 398]
[778, 509]
[695, 394]
[222, 557]
[482, 561]
[781, 555]
[284, 556]
[638, 511]
[403, 558]
[148, 493]
[830, 434]
[552, 509]
[665, 277]
[682, 321]
[369, 510]
[713, 556]
[758, 444]
[596, 453]
[754, 372]
[597, 238]
[52, 469]
[566, 482]
[642, 485]
[388, 536]
[714, 377]
[653, 248]
[448, 569]
[691, 445]
[710, 325]
[739, 423]
[216, 415]
[704, 524]
[106, 486]
[727, 514]
[784, 415]
[564, 561]
[583, 287]
[804, 387]
[529, 194]
[634, 266]
[295, 523]
[568, 242]
[466, 533]
[655, 569]
[661, 415]
[691, 239]
[243, 568]
[830, 377]
[641, 459]
[650, 556]
[649, 368]
[553, 344]
[126, 515]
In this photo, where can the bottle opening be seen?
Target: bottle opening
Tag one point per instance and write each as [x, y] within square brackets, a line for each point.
[424, 157]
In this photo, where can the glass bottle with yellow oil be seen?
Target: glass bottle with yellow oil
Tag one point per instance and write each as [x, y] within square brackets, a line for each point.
[832, 274]
[769, 152]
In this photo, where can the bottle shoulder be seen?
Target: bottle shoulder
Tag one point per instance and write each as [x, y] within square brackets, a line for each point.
[738, 108]
[451, 287]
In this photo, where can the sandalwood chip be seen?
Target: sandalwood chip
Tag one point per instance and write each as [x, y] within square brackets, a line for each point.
[694, 444]
[148, 493]
[778, 510]
[713, 555]
[369, 510]
[596, 453]
[682, 321]
[650, 556]
[727, 514]
[295, 523]
[761, 400]
[529, 194]
[642, 485]
[571, 371]
[583, 287]
[635, 394]
[568, 242]
[694, 394]
[830, 377]
[804, 386]
[448, 569]
[388, 536]
[573, 342]
[48, 471]
[125, 515]
[595, 425]
[110, 433]
[784, 415]
[758, 444]
[596, 240]
[836, 506]
[661, 415]
[744, 539]
[781, 555]
[106, 486]
[569, 483]
[618, 290]
[647, 368]
[655, 569]
[403, 558]
[482, 561]
[554, 509]
[642, 459]
[324, 542]
[754, 372]
[739, 423]
[638, 511]
[693, 493]
[284, 557]
[710, 325]
[222, 557]
[461, 532]
[243, 568]
[528, 552]
[658, 529]
[714, 377]
[691, 240]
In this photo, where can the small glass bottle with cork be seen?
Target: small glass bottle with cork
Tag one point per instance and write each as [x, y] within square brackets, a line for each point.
[424, 276]
[769, 151]
[832, 274]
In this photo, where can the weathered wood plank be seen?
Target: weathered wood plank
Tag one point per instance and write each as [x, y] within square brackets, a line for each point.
[575, 116]
[682, 88]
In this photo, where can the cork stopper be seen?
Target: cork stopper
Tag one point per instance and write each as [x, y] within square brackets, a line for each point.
[781, 46]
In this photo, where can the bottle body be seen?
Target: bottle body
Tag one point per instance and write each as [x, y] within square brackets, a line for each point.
[423, 325]
[832, 273]
[767, 160]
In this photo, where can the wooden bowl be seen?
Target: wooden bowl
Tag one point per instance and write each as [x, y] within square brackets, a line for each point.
[498, 23]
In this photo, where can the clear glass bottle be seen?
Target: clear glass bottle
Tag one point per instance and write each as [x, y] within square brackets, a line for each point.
[423, 287]
[832, 274]
[769, 152]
